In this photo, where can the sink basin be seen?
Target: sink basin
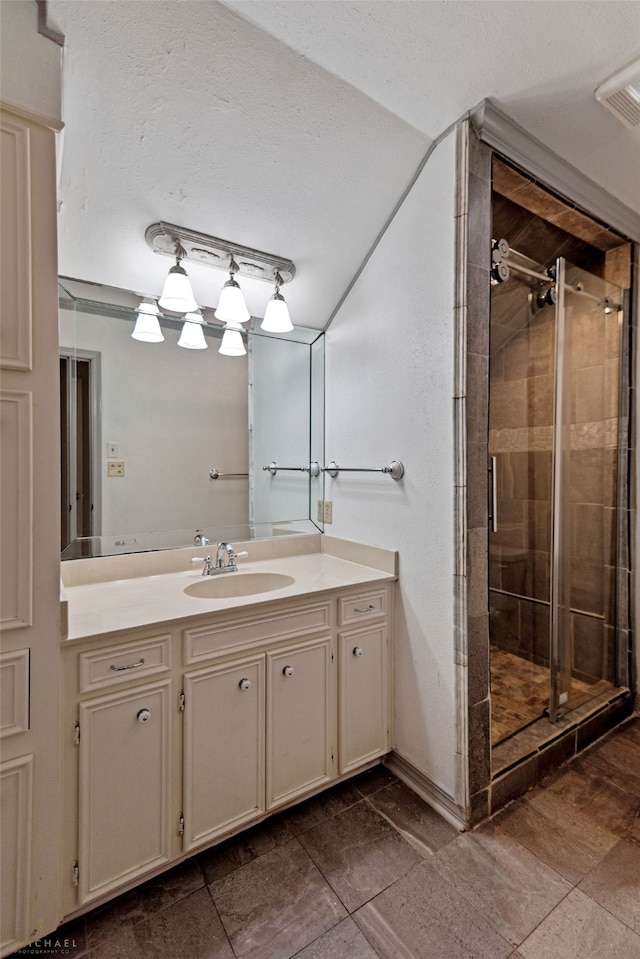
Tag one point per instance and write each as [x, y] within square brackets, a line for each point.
[237, 584]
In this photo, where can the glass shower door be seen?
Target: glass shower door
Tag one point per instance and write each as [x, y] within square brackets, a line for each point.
[584, 495]
[553, 435]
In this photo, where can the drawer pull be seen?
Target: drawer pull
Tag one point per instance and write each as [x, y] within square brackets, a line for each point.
[288, 671]
[367, 609]
[245, 684]
[143, 716]
[118, 669]
[358, 650]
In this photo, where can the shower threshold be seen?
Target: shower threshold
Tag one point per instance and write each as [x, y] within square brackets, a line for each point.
[532, 752]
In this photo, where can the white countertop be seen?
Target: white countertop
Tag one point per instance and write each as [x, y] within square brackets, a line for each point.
[101, 608]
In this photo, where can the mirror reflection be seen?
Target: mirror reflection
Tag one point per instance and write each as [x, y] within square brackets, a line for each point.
[160, 442]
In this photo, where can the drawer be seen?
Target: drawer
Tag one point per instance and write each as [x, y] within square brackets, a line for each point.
[361, 607]
[128, 662]
[240, 634]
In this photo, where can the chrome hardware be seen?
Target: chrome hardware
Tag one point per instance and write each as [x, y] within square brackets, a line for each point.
[208, 564]
[143, 716]
[200, 539]
[245, 684]
[118, 669]
[181, 825]
[493, 511]
[313, 468]
[76, 734]
[215, 474]
[75, 874]
[499, 269]
[223, 550]
[288, 671]
[367, 609]
[181, 702]
[395, 469]
[358, 650]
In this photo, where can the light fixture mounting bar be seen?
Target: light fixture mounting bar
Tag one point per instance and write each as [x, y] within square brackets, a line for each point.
[200, 248]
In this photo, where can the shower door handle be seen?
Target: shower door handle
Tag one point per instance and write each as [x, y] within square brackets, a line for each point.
[493, 490]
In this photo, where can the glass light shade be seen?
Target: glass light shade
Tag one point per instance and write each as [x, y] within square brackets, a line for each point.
[232, 342]
[276, 316]
[147, 328]
[177, 294]
[232, 308]
[192, 335]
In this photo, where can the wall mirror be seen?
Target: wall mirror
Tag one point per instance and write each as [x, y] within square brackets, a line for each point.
[161, 442]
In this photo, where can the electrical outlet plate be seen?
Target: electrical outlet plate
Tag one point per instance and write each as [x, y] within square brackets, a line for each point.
[115, 468]
[328, 511]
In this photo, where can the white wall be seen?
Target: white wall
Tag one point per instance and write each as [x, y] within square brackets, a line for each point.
[30, 64]
[390, 354]
[175, 414]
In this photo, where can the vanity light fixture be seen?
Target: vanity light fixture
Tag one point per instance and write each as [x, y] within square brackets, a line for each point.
[178, 241]
[231, 306]
[192, 335]
[232, 342]
[276, 316]
[147, 328]
[177, 295]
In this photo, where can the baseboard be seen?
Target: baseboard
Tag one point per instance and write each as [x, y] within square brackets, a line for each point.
[427, 790]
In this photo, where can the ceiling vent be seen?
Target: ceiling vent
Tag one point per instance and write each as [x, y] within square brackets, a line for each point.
[620, 94]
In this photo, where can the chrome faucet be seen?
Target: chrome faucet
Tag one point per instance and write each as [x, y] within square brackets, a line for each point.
[223, 550]
[208, 569]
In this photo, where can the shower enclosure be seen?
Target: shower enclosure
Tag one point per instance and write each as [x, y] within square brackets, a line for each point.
[555, 352]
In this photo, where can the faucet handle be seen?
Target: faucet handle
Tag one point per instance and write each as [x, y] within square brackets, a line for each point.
[200, 559]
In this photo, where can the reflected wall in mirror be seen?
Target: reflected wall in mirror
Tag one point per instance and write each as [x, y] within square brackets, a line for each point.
[145, 424]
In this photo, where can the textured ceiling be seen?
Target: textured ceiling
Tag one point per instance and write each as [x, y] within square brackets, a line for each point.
[295, 127]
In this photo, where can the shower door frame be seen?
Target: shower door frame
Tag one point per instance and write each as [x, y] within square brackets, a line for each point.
[488, 778]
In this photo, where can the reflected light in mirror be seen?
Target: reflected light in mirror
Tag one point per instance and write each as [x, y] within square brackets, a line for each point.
[192, 335]
[232, 342]
[147, 328]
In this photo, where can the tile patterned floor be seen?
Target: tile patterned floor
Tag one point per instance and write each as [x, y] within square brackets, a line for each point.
[368, 871]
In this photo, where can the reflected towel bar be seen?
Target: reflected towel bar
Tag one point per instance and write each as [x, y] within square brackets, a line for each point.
[216, 474]
[395, 469]
[313, 468]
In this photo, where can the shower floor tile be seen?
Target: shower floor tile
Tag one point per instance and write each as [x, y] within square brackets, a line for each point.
[520, 693]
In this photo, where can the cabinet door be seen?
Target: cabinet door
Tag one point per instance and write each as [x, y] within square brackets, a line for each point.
[300, 722]
[125, 780]
[363, 696]
[223, 748]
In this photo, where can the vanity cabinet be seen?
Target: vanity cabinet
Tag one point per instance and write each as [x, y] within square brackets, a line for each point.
[364, 719]
[224, 738]
[300, 721]
[124, 787]
[186, 736]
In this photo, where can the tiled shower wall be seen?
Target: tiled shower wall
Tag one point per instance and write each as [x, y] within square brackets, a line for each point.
[520, 436]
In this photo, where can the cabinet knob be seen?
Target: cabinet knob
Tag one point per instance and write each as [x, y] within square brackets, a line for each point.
[358, 650]
[245, 684]
[143, 716]
[288, 671]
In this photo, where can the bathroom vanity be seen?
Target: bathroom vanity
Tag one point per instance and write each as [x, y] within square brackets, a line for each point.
[190, 717]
